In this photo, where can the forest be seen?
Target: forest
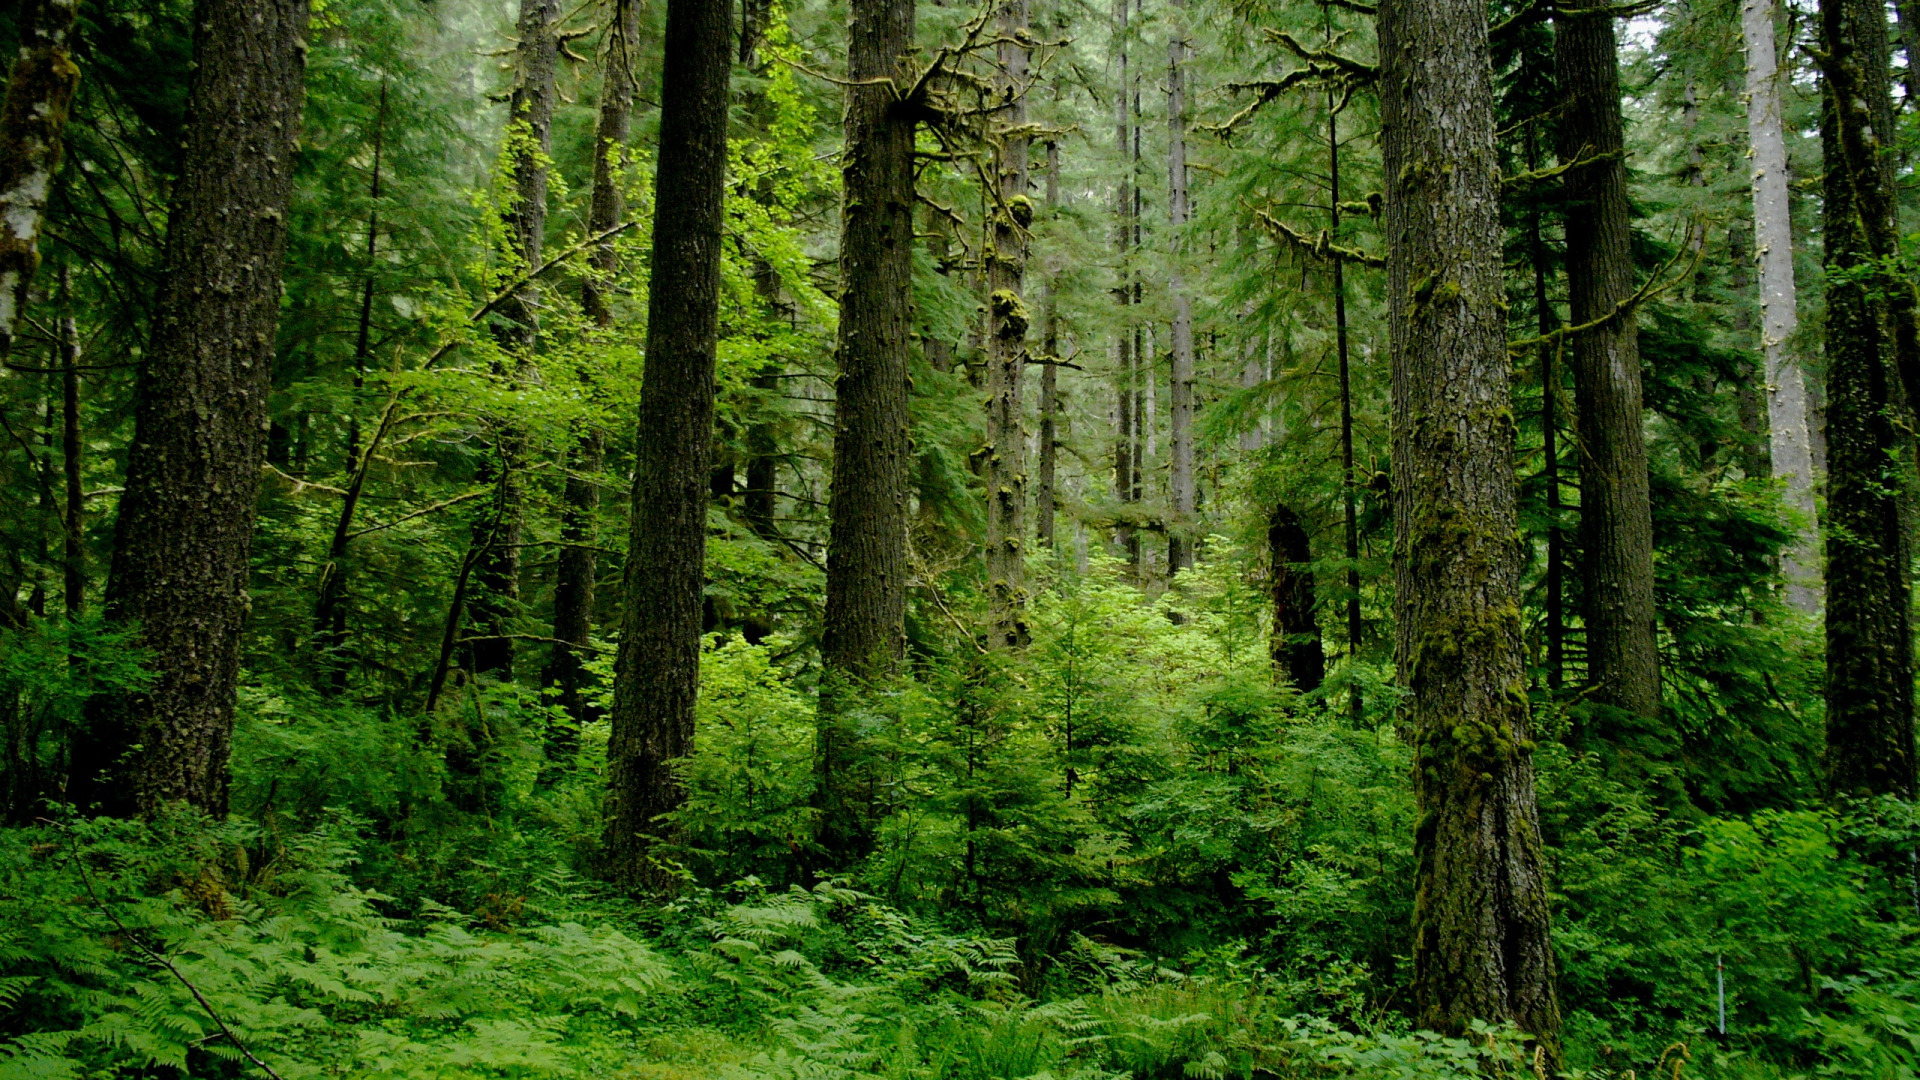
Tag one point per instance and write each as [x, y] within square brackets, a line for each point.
[966, 540]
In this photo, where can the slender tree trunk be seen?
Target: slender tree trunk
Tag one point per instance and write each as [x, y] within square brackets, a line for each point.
[1043, 493]
[1616, 514]
[1789, 441]
[1296, 649]
[1124, 337]
[1007, 319]
[1179, 210]
[330, 614]
[33, 120]
[1547, 320]
[1870, 735]
[573, 590]
[1481, 945]
[657, 671]
[185, 528]
[865, 626]
[74, 587]
[495, 599]
[1349, 489]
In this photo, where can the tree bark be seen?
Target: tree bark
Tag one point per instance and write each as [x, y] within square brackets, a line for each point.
[74, 585]
[33, 120]
[1870, 736]
[1043, 493]
[1180, 412]
[574, 580]
[1349, 490]
[1007, 320]
[1123, 346]
[865, 627]
[657, 671]
[1481, 944]
[1789, 442]
[185, 527]
[496, 594]
[1616, 514]
[1296, 649]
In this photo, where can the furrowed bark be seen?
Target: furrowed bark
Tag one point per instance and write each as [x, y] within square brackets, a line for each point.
[1869, 622]
[657, 670]
[185, 527]
[1616, 513]
[33, 120]
[865, 627]
[1481, 946]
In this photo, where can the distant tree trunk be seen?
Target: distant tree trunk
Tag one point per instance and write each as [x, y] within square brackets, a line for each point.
[657, 671]
[330, 613]
[185, 528]
[865, 627]
[1179, 210]
[573, 590]
[1616, 514]
[1789, 441]
[1349, 488]
[1296, 648]
[496, 595]
[1547, 320]
[1481, 946]
[1870, 736]
[1124, 337]
[33, 120]
[1007, 319]
[1043, 493]
[74, 587]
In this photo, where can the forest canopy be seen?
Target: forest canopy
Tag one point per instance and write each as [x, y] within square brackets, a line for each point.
[1020, 540]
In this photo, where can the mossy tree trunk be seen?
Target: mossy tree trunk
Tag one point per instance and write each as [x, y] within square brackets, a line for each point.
[1007, 321]
[33, 120]
[1870, 737]
[865, 626]
[1481, 946]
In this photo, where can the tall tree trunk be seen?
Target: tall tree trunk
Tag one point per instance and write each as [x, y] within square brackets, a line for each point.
[1296, 649]
[1481, 945]
[1349, 490]
[1547, 320]
[74, 586]
[495, 599]
[1616, 514]
[330, 613]
[1043, 493]
[33, 120]
[657, 671]
[1123, 345]
[1870, 736]
[1007, 319]
[1179, 210]
[185, 529]
[865, 626]
[573, 590]
[1789, 441]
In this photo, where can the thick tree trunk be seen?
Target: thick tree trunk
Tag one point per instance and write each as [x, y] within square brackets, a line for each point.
[1870, 736]
[574, 579]
[496, 594]
[657, 671]
[1007, 320]
[1297, 652]
[1616, 514]
[1789, 441]
[185, 528]
[1481, 946]
[1180, 413]
[865, 627]
[1043, 493]
[33, 120]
